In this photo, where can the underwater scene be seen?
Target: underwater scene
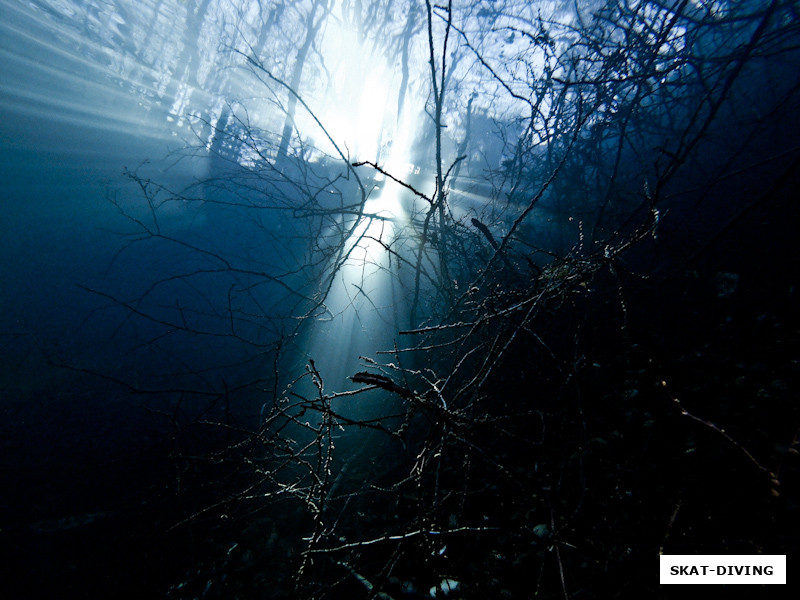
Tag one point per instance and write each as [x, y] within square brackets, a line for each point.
[396, 299]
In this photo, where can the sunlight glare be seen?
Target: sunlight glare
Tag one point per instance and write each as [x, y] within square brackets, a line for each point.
[353, 105]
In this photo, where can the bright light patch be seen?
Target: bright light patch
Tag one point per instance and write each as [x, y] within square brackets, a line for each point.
[361, 305]
[368, 266]
[353, 106]
[371, 115]
[358, 108]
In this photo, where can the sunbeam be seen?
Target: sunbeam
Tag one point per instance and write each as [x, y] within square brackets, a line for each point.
[361, 307]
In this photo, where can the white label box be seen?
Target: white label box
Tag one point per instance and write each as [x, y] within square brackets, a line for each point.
[716, 569]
